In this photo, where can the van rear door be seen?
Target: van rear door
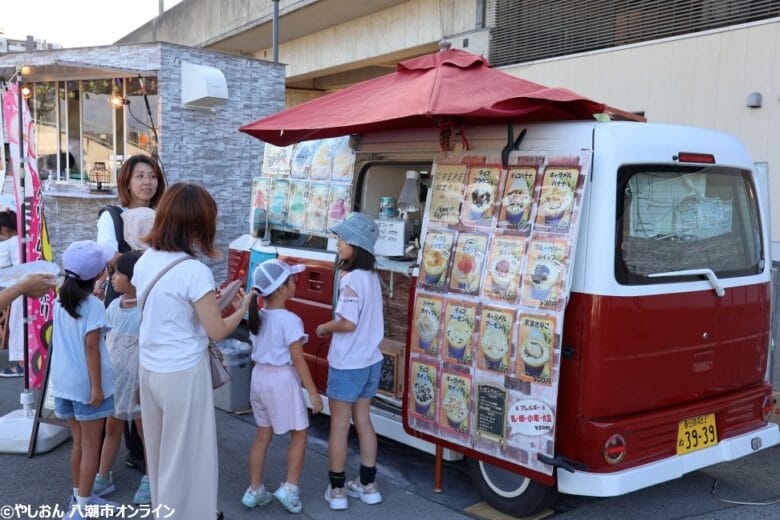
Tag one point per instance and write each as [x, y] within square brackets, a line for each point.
[655, 341]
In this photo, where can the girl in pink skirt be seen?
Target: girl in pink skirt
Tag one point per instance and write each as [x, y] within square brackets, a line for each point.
[276, 394]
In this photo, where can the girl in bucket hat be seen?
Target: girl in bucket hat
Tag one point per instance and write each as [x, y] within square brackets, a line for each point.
[80, 368]
[276, 395]
[354, 359]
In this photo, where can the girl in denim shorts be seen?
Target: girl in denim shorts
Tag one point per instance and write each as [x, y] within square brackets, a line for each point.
[80, 368]
[354, 360]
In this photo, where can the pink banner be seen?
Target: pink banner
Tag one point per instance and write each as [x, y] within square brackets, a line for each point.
[39, 310]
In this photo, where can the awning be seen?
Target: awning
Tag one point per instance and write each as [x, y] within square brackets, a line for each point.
[48, 69]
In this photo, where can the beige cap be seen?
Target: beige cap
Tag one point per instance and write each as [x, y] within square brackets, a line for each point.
[138, 224]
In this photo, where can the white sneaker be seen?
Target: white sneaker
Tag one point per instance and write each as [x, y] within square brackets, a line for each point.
[256, 497]
[369, 493]
[337, 498]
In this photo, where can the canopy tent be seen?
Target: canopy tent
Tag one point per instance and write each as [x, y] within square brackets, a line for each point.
[447, 88]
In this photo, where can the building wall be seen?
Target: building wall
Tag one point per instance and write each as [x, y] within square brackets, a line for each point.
[699, 80]
[195, 146]
[377, 36]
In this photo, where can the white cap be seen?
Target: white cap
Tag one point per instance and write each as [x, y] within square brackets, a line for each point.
[86, 259]
[271, 274]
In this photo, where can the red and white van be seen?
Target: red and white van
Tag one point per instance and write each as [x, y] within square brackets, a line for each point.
[667, 329]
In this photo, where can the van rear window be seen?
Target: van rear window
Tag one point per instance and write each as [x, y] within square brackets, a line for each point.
[672, 218]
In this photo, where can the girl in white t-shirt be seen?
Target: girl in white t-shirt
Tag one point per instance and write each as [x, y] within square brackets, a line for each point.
[81, 377]
[354, 360]
[9, 254]
[276, 396]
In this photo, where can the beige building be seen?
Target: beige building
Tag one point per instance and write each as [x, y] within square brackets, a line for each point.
[708, 63]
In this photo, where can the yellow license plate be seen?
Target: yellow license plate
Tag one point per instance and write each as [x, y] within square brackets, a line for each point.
[695, 433]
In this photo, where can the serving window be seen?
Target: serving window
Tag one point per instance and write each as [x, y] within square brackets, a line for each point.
[673, 218]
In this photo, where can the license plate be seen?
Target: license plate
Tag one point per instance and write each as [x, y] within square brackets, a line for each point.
[695, 433]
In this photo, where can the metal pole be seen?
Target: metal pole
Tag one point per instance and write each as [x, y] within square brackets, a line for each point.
[23, 231]
[275, 26]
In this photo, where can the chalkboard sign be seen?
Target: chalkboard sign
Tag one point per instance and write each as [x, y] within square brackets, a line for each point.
[491, 411]
[388, 377]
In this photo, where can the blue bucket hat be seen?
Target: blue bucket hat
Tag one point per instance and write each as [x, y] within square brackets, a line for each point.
[357, 229]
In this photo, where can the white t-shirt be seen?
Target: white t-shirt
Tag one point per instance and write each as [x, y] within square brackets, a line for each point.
[69, 375]
[106, 233]
[279, 328]
[359, 348]
[172, 336]
[16, 318]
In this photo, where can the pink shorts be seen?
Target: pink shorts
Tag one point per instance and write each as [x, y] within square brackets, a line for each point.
[277, 399]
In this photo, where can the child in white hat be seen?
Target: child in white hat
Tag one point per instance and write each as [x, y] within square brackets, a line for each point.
[80, 368]
[277, 399]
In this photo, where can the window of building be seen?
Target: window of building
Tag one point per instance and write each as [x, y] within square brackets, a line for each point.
[92, 125]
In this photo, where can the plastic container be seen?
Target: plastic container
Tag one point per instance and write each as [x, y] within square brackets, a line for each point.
[234, 396]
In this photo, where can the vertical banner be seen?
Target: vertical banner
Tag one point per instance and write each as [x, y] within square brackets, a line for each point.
[39, 311]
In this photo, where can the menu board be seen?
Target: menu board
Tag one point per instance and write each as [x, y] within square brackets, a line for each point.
[304, 187]
[494, 278]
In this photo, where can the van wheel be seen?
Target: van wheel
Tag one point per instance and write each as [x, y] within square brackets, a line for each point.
[509, 492]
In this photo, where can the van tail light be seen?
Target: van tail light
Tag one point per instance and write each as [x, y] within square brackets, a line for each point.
[615, 449]
[767, 407]
[693, 157]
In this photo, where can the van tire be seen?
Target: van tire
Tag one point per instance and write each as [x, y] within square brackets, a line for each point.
[509, 492]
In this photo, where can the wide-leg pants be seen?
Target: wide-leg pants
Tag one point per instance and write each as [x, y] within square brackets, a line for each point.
[180, 435]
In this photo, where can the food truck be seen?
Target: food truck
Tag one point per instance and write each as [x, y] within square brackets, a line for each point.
[587, 312]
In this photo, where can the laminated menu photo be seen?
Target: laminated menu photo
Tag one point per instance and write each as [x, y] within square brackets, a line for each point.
[296, 211]
[343, 160]
[339, 205]
[427, 322]
[317, 210]
[302, 155]
[480, 198]
[502, 278]
[535, 347]
[460, 318]
[423, 390]
[557, 198]
[261, 191]
[436, 253]
[468, 262]
[544, 270]
[494, 346]
[447, 193]
[455, 408]
[277, 204]
[322, 160]
[517, 198]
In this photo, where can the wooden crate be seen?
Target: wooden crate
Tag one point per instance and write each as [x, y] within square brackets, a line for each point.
[391, 382]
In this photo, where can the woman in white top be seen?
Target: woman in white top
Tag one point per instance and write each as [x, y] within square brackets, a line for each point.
[180, 314]
[140, 184]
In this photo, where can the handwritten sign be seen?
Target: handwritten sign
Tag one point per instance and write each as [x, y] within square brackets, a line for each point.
[447, 193]
[491, 411]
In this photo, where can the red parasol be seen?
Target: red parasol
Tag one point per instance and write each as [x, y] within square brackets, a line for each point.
[436, 90]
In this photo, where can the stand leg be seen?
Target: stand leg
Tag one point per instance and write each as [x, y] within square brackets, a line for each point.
[437, 462]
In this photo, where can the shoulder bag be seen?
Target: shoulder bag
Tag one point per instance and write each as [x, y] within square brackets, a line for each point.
[219, 374]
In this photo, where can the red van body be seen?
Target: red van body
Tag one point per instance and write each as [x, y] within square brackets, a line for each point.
[665, 339]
